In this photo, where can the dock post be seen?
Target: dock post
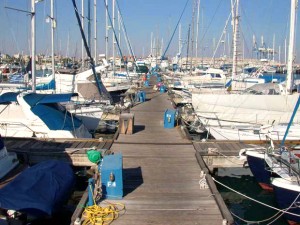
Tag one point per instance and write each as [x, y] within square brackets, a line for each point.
[126, 123]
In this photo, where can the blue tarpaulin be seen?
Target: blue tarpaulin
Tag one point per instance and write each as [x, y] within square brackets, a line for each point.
[40, 189]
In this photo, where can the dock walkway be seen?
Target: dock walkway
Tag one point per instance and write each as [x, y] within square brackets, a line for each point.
[161, 173]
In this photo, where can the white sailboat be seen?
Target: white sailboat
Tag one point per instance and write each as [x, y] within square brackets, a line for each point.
[250, 114]
[29, 114]
[287, 191]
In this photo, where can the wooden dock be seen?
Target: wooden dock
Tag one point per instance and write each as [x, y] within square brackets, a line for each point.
[161, 174]
[72, 151]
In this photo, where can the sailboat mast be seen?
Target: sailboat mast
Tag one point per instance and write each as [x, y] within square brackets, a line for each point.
[197, 32]
[119, 26]
[235, 17]
[89, 25]
[179, 38]
[33, 45]
[113, 35]
[82, 24]
[273, 48]
[187, 48]
[285, 51]
[289, 78]
[95, 31]
[106, 30]
[151, 52]
[53, 25]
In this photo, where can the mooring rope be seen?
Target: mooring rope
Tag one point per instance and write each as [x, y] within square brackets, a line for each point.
[259, 202]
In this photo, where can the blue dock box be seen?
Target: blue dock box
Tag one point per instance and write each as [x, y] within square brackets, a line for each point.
[162, 89]
[146, 83]
[169, 118]
[112, 176]
[141, 96]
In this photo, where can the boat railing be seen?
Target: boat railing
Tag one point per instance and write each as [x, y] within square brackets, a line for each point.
[286, 161]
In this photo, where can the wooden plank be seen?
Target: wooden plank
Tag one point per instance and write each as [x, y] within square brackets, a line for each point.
[75, 144]
[101, 145]
[81, 144]
[79, 209]
[224, 210]
[107, 145]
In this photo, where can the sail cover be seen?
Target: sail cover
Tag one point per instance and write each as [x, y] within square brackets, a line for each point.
[40, 189]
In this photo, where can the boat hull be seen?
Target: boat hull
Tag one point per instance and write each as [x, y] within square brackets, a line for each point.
[287, 195]
[259, 169]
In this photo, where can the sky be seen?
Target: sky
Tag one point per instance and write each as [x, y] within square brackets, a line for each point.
[267, 18]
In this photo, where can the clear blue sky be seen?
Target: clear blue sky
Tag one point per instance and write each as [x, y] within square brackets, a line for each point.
[141, 17]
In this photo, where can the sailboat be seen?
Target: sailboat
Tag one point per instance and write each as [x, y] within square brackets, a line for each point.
[253, 114]
[30, 114]
[284, 164]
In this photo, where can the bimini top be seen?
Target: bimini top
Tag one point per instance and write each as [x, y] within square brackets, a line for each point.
[9, 97]
[39, 190]
[52, 114]
[34, 99]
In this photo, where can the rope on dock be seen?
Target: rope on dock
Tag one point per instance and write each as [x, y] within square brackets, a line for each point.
[264, 204]
[98, 215]
[101, 215]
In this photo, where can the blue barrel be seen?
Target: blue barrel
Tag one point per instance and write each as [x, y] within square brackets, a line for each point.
[148, 75]
[146, 83]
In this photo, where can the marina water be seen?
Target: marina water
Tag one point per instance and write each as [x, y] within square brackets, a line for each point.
[246, 208]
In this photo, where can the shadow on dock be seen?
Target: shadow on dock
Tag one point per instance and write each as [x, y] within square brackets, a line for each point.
[139, 128]
[132, 179]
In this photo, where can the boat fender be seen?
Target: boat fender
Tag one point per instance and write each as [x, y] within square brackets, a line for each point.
[77, 221]
[94, 156]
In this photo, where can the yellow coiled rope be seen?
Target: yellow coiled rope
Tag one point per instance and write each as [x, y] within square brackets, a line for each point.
[102, 215]
[99, 215]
